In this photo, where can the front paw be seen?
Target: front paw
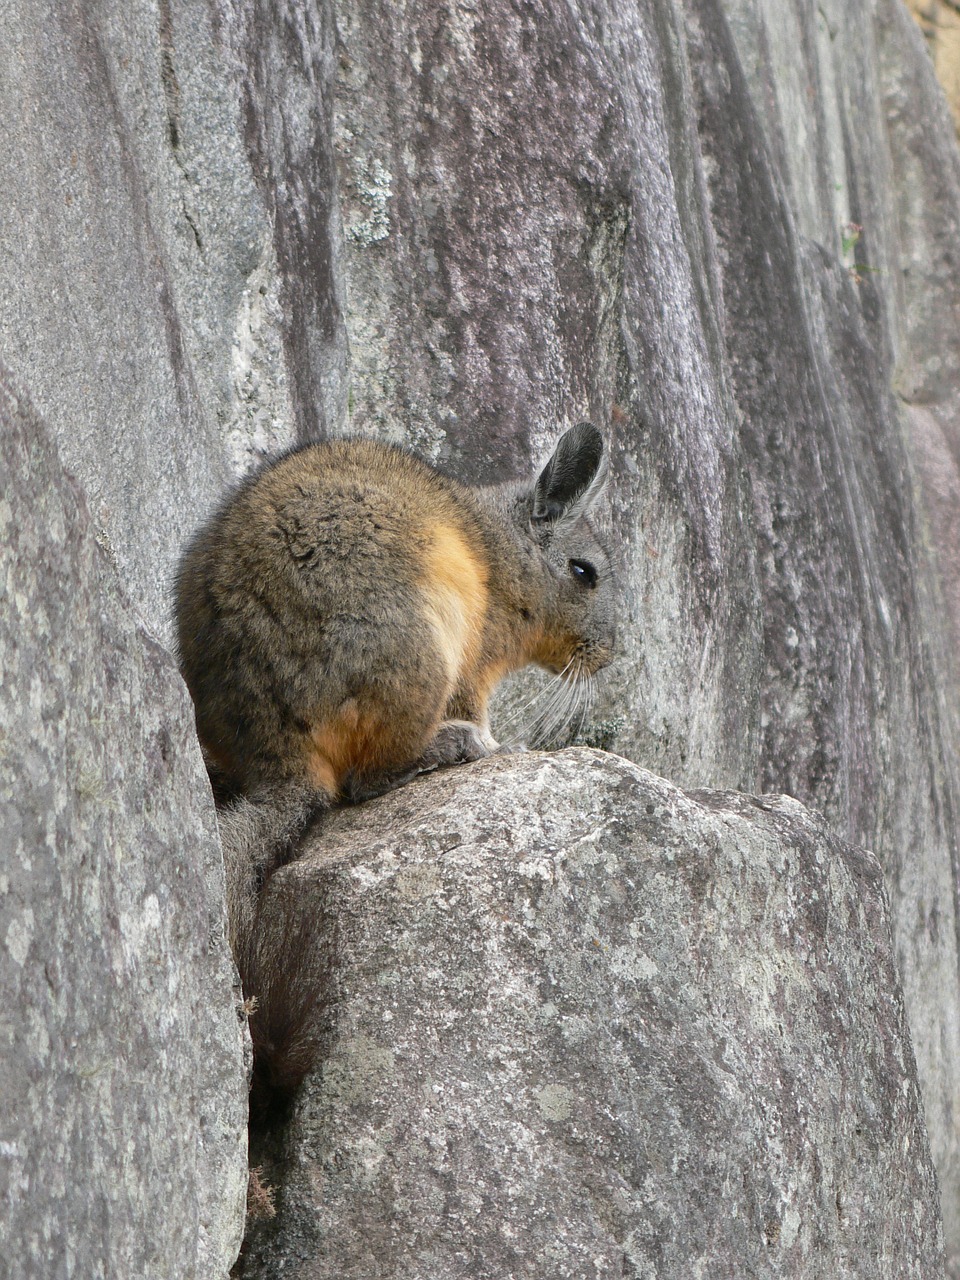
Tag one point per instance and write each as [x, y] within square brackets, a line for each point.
[455, 742]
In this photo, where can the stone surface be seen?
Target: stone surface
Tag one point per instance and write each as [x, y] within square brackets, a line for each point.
[724, 229]
[577, 1023]
[142, 310]
[728, 230]
[123, 1125]
[939, 20]
[853, 436]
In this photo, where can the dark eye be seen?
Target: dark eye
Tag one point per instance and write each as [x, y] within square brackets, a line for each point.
[584, 572]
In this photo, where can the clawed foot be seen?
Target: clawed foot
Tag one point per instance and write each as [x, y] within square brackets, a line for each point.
[455, 742]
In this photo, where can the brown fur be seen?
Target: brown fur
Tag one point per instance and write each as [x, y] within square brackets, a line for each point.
[344, 618]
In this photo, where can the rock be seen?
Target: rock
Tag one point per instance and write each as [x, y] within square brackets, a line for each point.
[577, 1023]
[725, 230]
[730, 233]
[866, 391]
[939, 21]
[143, 313]
[123, 1136]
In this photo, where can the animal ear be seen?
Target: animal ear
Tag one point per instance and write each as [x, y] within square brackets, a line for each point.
[574, 478]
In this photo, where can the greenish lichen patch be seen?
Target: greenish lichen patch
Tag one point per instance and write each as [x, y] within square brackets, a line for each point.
[373, 186]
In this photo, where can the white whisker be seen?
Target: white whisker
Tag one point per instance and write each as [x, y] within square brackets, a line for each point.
[557, 714]
[519, 717]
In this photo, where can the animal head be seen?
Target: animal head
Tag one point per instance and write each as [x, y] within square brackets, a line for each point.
[565, 601]
[561, 580]
[579, 629]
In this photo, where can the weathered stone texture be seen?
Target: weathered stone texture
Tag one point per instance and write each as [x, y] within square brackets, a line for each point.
[285, 58]
[725, 229]
[675, 259]
[576, 1023]
[123, 1121]
[141, 306]
[862, 626]
[542, 257]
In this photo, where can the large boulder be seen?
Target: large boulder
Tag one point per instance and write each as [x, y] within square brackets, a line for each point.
[122, 1073]
[724, 229]
[573, 1022]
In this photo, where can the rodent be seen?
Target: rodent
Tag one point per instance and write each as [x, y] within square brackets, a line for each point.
[346, 614]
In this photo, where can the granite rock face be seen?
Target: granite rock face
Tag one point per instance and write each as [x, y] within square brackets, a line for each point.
[577, 1023]
[725, 230]
[123, 1125]
[142, 309]
[728, 231]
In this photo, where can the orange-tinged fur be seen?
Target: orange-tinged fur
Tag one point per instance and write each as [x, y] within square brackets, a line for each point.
[349, 743]
[454, 588]
[329, 751]
[455, 601]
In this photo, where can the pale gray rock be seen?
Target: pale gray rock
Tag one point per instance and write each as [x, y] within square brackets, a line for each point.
[860, 653]
[141, 306]
[231, 225]
[577, 1023]
[122, 1074]
[644, 214]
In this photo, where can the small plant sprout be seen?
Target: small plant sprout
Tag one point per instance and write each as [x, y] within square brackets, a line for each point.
[850, 233]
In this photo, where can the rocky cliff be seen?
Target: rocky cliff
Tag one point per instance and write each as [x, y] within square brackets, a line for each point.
[122, 1138]
[724, 229]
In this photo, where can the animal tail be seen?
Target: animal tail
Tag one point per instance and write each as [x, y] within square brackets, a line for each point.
[258, 836]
